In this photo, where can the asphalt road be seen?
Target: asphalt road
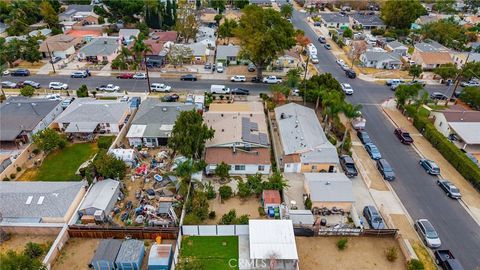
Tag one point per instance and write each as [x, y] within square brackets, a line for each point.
[415, 188]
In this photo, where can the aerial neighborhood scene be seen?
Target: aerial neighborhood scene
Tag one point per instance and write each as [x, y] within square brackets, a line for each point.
[239, 134]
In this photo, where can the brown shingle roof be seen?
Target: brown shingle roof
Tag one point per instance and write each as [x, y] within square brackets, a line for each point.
[165, 36]
[435, 58]
[217, 155]
[271, 197]
[462, 116]
[59, 43]
[155, 46]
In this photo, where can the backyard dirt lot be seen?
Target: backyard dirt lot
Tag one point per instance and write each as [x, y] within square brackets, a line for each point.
[242, 207]
[360, 253]
[17, 242]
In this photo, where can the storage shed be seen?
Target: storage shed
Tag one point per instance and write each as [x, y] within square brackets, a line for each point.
[102, 196]
[106, 253]
[130, 256]
[160, 257]
[271, 199]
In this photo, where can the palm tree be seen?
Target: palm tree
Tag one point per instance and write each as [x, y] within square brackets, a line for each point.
[139, 48]
[332, 102]
[124, 56]
[350, 111]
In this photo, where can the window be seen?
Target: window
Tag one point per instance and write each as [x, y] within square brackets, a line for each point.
[261, 168]
[239, 167]
[440, 124]
[314, 167]
[107, 124]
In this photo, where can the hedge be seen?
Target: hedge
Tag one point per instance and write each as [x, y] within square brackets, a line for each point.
[449, 151]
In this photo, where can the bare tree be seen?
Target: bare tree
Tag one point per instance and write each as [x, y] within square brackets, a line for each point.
[358, 48]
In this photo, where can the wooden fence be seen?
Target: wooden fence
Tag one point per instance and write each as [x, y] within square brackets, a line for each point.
[357, 232]
[124, 232]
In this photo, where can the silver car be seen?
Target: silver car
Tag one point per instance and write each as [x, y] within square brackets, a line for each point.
[428, 233]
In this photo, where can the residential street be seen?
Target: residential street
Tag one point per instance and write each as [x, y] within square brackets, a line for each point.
[417, 190]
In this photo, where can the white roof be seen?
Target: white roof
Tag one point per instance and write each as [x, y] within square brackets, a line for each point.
[136, 131]
[123, 154]
[100, 194]
[468, 131]
[329, 187]
[272, 238]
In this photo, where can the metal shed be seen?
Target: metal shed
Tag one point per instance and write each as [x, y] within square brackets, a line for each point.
[160, 257]
[106, 253]
[130, 256]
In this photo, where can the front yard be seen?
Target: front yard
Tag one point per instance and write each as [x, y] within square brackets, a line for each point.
[213, 252]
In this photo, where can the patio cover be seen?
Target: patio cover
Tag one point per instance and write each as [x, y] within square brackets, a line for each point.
[81, 127]
[468, 131]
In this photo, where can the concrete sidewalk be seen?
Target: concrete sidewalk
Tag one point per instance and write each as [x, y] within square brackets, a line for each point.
[470, 197]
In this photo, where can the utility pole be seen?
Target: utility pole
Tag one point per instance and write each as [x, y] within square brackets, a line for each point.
[457, 79]
[305, 81]
[50, 55]
[146, 70]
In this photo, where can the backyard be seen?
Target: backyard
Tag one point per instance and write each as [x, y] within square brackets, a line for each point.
[213, 252]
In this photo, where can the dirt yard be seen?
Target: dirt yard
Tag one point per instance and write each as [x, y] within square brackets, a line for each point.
[17, 242]
[360, 253]
[242, 207]
[77, 254]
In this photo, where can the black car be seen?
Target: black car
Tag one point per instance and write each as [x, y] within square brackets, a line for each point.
[348, 166]
[240, 91]
[20, 72]
[350, 74]
[385, 169]
[170, 98]
[363, 136]
[438, 96]
[322, 39]
[256, 79]
[188, 77]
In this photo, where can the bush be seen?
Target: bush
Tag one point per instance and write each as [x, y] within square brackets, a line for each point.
[225, 192]
[6, 178]
[104, 142]
[27, 91]
[261, 211]
[211, 194]
[342, 243]
[229, 218]
[19, 169]
[101, 20]
[191, 219]
[12, 176]
[331, 139]
[212, 215]
[338, 129]
[308, 203]
[392, 254]
[415, 264]
[33, 250]
[378, 32]
[36, 151]
[243, 220]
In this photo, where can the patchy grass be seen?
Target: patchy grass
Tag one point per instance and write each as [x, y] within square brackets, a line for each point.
[423, 256]
[214, 252]
[437, 107]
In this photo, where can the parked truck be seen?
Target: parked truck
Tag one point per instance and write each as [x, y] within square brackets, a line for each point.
[272, 79]
[445, 259]
[403, 136]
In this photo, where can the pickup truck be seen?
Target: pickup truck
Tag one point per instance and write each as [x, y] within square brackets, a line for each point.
[108, 88]
[403, 136]
[271, 79]
[446, 260]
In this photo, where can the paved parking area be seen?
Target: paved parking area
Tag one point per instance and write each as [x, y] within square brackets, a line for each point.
[295, 190]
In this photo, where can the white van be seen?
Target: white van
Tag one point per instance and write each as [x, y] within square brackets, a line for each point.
[219, 89]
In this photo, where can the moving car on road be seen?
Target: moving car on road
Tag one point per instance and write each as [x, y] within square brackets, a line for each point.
[140, 76]
[238, 78]
[428, 233]
[79, 74]
[348, 166]
[271, 79]
[363, 136]
[188, 77]
[31, 83]
[403, 136]
[160, 87]
[373, 151]
[240, 91]
[125, 76]
[373, 217]
[385, 169]
[430, 166]
[9, 84]
[108, 88]
[449, 188]
[446, 260]
[58, 86]
[20, 72]
[347, 88]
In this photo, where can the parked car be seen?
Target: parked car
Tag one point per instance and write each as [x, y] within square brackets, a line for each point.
[428, 233]
[348, 166]
[327, 46]
[188, 77]
[79, 74]
[219, 89]
[256, 79]
[470, 83]
[140, 76]
[125, 99]
[55, 59]
[108, 88]
[317, 24]
[20, 72]
[393, 81]
[412, 82]
[32, 84]
[66, 102]
[350, 74]
[271, 79]
[347, 88]
[170, 98]
[9, 84]
[322, 39]
[160, 87]
[449, 188]
[207, 66]
[238, 78]
[403, 136]
[344, 67]
[240, 91]
[363, 136]
[438, 96]
[220, 68]
[251, 67]
[385, 169]
[430, 166]
[125, 76]
[373, 217]
[314, 59]
[58, 86]
[373, 151]
[446, 260]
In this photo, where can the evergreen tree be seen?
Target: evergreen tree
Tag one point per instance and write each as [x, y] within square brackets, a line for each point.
[169, 14]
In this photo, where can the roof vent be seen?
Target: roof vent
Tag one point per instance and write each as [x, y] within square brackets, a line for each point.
[164, 109]
[327, 183]
[223, 130]
[105, 42]
[282, 115]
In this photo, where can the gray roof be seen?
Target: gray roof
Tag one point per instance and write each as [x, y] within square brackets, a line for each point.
[107, 250]
[23, 114]
[100, 46]
[382, 56]
[301, 133]
[367, 20]
[72, 9]
[224, 51]
[334, 18]
[130, 251]
[198, 48]
[329, 187]
[159, 117]
[100, 195]
[430, 46]
[250, 133]
[90, 110]
[128, 33]
[22, 201]
[395, 44]
[301, 217]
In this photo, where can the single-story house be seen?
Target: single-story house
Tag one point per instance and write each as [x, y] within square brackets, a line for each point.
[127, 36]
[460, 58]
[335, 20]
[241, 138]
[228, 54]
[59, 45]
[40, 202]
[200, 52]
[102, 196]
[156, 56]
[261, 2]
[76, 12]
[381, 60]
[270, 239]
[106, 253]
[431, 60]
[329, 190]
[154, 121]
[465, 125]
[22, 117]
[100, 49]
[397, 47]
[367, 21]
[88, 116]
[290, 59]
[304, 145]
[430, 46]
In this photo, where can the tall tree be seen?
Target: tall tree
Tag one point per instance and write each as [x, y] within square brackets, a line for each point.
[447, 32]
[401, 14]
[406, 92]
[240, 3]
[415, 71]
[446, 71]
[350, 111]
[263, 34]
[218, 5]
[189, 134]
[10, 51]
[286, 11]
[169, 13]
[186, 25]
[445, 6]
[227, 28]
[139, 48]
[48, 14]
[30, 51]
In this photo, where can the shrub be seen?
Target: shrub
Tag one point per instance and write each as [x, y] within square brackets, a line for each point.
[212, 215]
[27, 91]
[36, 151]
[19, 169]
[378, 32]
[33, 250]
[415, 264]
[331, 139]
[308, 203]
[191, 219]
[12, 176]
[225, 192]
[261, 211]
[243, 219]
[6, 178]
[222, 170]
[392, 254]
[229, 218]
[211, 194]
[104, 142]
[342, 243]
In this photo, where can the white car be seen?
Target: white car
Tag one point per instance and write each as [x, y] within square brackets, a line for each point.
[314, 59]
[53, 97]
[9, 84]
[108, 88]
[140, 76]
[428, 233]
[271, 79]
[340, 62]
[347, 88]
[470, 83]
[58, 86]
[238, 78]
[160, 87]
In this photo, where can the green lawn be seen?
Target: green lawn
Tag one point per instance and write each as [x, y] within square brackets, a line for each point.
[61, 165]
[214, 252]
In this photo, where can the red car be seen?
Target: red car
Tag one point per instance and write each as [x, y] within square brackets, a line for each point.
[403, 136]
[125, 76]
